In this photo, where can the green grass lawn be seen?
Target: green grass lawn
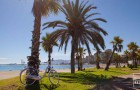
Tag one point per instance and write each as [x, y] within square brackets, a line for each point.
[81, 80]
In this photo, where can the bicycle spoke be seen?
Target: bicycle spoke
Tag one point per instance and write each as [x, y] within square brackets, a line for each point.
[53, 77]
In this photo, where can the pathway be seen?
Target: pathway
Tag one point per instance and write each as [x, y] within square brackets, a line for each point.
[119, 83]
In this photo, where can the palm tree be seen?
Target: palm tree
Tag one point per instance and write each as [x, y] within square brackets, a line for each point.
[138, 56]
[133, 47]
[116, 58]
[47, 45]
[40, 8]
[78, 60]
[127, 55]
[106, 55]
[80, 55]
[79, 27]
[97, 54]
[117, 46]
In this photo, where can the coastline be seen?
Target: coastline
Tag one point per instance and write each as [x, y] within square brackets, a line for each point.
[8, 74]
[15, 73]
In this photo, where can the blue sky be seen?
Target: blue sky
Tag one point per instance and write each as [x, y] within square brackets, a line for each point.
[16, 24]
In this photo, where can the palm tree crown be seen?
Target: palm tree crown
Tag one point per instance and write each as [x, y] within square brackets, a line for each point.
[132, 46]
[45, 7]
[78, 26]
[117, 43]
[47, 43]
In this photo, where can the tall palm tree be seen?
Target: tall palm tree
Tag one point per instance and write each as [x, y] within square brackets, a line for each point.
[81, 53]
[127, 55]
[133, 47]
[97, 54]
[78, 60]
[47, 45]
[138, 56]
[79, 27]
[117, 58]
[40, 8]
[106, 55]
[117, 46]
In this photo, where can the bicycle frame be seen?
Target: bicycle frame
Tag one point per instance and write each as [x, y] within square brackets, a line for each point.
[40, 77]
[46, 71]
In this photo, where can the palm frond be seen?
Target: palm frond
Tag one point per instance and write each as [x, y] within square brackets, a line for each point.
[100, 19]
[90, 15]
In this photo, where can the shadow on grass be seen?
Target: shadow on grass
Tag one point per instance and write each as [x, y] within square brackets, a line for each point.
[116, 72]
[134, 68]
[33, 87]
[49, 87]
[39, 86]
[101, 82]
[83, 78]
[115, 84]
[89, 71]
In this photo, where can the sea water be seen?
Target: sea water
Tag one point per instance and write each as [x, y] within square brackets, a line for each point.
[11, 67]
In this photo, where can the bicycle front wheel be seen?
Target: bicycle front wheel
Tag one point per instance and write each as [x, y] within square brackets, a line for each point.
[53, 77]
[24, 76]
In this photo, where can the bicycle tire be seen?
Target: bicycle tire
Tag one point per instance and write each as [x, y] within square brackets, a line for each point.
[53, 77]
[26, 72]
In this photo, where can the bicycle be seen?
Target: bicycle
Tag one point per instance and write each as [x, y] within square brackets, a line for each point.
[32, 74]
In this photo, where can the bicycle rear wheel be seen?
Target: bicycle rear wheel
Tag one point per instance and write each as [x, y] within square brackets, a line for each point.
[53, 77]
[24, 79]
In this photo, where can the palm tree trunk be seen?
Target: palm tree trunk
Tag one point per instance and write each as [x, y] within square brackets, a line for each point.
[33, 60]
[135, 63]
[72, 58]
[97, 65]
[108, 63]
[97, 62]
[127, 62]
[49, 60]
[78, 64]
[36, 35]
[81, 64]
[117, 65]
[36, 41]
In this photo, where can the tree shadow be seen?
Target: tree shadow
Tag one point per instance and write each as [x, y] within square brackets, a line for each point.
[134, 68]
[102, 82]
[116, 72]
[115, 84]
[88, 71]
[38, 87]
[49, 87]
[85, 78]
[33, 87]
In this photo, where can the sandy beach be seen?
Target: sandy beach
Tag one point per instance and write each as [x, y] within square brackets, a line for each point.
[11, 74]
[8, 74]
